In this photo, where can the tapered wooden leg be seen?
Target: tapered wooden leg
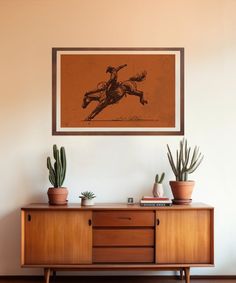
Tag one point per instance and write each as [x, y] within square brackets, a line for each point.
[181, 275]
[47, 275]
[187, 274]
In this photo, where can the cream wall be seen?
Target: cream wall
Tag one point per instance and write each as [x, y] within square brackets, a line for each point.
[116, 167]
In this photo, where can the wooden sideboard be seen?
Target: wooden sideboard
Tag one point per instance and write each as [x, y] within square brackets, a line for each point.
[117, 237]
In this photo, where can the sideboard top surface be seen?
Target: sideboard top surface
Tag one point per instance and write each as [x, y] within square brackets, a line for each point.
[113, 206]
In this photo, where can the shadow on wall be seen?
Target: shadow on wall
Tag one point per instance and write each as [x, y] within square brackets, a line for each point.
[10, 241]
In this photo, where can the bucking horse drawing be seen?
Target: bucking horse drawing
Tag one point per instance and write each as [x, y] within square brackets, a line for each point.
[111, 92]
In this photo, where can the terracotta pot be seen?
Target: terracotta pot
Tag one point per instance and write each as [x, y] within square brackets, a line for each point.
[57, 196]
[182, 191]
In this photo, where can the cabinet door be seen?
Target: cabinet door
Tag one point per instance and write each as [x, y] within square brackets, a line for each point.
[184, 236]
[57, 237]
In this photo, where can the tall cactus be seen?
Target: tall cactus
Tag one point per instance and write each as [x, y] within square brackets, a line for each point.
[184, 164]
[57, 172]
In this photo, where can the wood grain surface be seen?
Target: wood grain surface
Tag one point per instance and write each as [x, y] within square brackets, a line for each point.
[123, 237]
[123, 218]
[57, 237]
[184, 236]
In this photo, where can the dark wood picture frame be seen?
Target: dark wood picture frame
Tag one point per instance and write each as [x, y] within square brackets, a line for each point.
[62, 80]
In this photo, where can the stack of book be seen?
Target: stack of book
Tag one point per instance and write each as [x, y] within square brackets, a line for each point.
[155, 201]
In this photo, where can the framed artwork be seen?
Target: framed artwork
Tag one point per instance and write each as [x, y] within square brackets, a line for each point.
[118, 91]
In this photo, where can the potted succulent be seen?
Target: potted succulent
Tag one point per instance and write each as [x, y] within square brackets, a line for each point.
[157, 190]
[87, 198]
[57, 194]
[186, 162]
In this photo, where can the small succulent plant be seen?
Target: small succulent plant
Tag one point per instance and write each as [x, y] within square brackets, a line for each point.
[87, 195]
[159, 180]
[57, 172]
[185, 163]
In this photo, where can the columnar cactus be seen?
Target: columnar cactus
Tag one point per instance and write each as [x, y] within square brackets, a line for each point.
[184, 165]
[58, 171]
[159, 180]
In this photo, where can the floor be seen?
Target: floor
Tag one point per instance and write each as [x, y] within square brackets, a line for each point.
[116, 279]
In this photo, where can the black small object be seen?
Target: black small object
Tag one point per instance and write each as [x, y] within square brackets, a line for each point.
[158, 221]
[130, 200]
[29, 217]
[90, 222]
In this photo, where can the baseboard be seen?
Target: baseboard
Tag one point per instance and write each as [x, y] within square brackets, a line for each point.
[20, 277]
[37, 277]
[213, 277]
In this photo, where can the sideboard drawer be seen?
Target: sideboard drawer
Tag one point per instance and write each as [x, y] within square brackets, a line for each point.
[123, 237]
[123, 218]
[123, 255]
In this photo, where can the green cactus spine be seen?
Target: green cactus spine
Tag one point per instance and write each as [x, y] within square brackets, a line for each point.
[159, 180]
[57, 172]
[184, 164]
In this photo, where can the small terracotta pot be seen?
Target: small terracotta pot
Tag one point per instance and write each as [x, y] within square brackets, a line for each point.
[182, 190]
[57, 196]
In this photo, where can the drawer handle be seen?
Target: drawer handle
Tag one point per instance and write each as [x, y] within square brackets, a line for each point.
[29, 217]
[125, 218]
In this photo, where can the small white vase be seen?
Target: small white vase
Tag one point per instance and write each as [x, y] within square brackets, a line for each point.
[86, 202]
[158, 190]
